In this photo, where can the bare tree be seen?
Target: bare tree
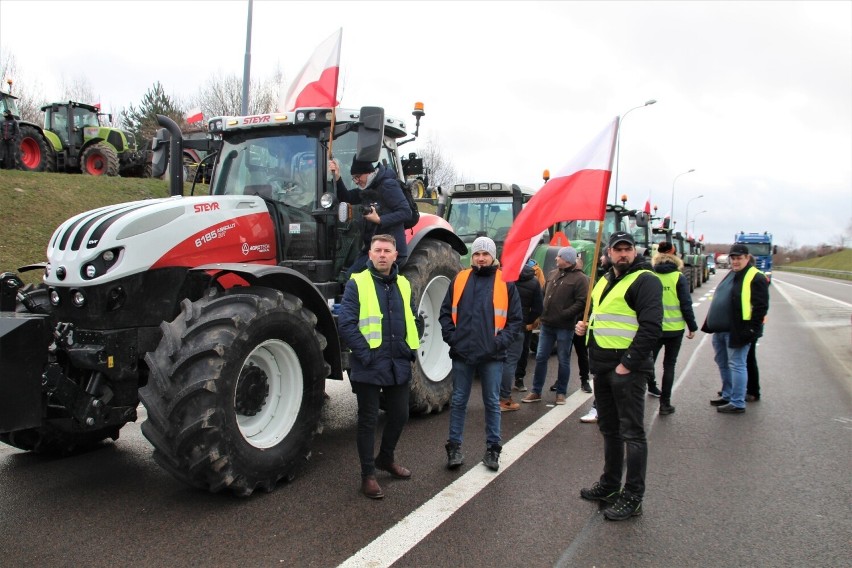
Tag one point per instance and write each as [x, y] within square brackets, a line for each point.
[29, 93]
[439, 168]
[77, 89]
[223, 95]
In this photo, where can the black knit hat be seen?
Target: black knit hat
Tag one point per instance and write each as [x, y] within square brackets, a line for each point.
[359, 167]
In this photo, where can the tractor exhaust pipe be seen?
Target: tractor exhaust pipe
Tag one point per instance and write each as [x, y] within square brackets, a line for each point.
[175, 155]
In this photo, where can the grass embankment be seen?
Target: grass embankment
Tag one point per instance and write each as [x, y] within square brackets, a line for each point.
[834, 265]
[33, 205]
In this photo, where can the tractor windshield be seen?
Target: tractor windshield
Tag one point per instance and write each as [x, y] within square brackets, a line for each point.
[282, 168]
[473, 217]
[84, 117]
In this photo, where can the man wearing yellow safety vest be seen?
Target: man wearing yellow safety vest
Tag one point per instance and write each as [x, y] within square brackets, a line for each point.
[735, 319]
[480, 318]
[677, 317]
[376, 322]
[623, 329]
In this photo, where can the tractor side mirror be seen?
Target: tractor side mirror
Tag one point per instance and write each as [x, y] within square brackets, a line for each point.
[371, 134]
[160, 148]
[641, 219]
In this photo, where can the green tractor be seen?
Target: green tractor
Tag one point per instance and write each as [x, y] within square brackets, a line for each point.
[73, 140]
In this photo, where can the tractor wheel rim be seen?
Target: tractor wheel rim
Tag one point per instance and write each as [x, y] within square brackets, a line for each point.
[275, 416]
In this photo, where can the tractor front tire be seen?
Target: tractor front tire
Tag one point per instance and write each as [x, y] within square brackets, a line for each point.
[430, 268]
[236, 390]
[99, 159]
[36, 153]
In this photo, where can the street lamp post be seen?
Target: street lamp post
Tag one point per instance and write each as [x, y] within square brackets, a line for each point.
[693, 220]
[671, 210]
[618, 144]
[686, 215]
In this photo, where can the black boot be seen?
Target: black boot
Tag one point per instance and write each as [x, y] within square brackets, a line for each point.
[666, 407]
[492, 457]
[455, 458]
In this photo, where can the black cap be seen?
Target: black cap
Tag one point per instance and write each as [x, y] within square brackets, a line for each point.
[621, 237]
[359, 167]
[738, 248]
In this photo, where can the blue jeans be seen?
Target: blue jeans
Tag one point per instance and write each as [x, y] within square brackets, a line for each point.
[564, 341]
[510, 365]
[490, 373]
[732, 366]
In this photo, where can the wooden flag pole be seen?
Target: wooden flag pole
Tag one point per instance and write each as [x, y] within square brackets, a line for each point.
[594, 271]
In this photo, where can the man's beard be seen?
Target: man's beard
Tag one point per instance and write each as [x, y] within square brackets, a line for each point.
[622, 265]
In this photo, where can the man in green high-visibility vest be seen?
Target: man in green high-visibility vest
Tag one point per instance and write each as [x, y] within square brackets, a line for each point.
[735, 319]
[376, 322]
[624, 327]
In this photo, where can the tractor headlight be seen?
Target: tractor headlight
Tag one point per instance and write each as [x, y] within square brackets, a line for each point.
[326, 201]
[91, 271]
[54, 297]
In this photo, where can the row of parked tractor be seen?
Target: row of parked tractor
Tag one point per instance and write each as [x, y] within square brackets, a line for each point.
[215, 311]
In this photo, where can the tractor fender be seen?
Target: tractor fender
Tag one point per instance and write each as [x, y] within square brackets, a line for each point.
[54, 140]
[292, 282]
[434, 227]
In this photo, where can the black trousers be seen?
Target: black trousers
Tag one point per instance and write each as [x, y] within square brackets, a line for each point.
[396, 408]
[582, 356]
[672, 348]
[521, 369]
[753, 385]
[620, 401]
[8, 151]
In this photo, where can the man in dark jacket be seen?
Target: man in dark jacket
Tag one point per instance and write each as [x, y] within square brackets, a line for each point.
[377, 322]
[735, 319]
[564, 301]
[10, 134]
[480, 318]
[677, 315]
[625, 325]
[529, 292]
[384, 207]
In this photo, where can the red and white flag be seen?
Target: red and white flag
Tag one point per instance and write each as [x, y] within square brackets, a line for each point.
[194, 115]
[316, 83]
[648, 205]
[578, 191]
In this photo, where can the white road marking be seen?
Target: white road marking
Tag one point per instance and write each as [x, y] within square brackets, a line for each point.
[406, 534]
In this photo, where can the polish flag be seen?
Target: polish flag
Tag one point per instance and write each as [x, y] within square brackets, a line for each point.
[578, 191]
[316, 83]
[194, 115]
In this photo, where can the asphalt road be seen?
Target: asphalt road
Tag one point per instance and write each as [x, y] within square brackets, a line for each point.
[767, 488]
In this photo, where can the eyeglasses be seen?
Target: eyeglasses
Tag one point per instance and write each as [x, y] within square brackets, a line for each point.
[356, 178]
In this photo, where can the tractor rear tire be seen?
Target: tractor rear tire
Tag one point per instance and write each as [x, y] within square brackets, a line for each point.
[430, 269]
[418, 189]
[36, 152]
[236, 390]
[99, 159]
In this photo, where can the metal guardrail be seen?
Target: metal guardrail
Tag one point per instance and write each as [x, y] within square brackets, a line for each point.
[829, 273]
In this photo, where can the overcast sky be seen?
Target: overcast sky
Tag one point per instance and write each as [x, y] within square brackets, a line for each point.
[755, 96]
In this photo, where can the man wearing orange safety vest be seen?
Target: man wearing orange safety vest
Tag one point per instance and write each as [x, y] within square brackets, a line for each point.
[480, 317]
